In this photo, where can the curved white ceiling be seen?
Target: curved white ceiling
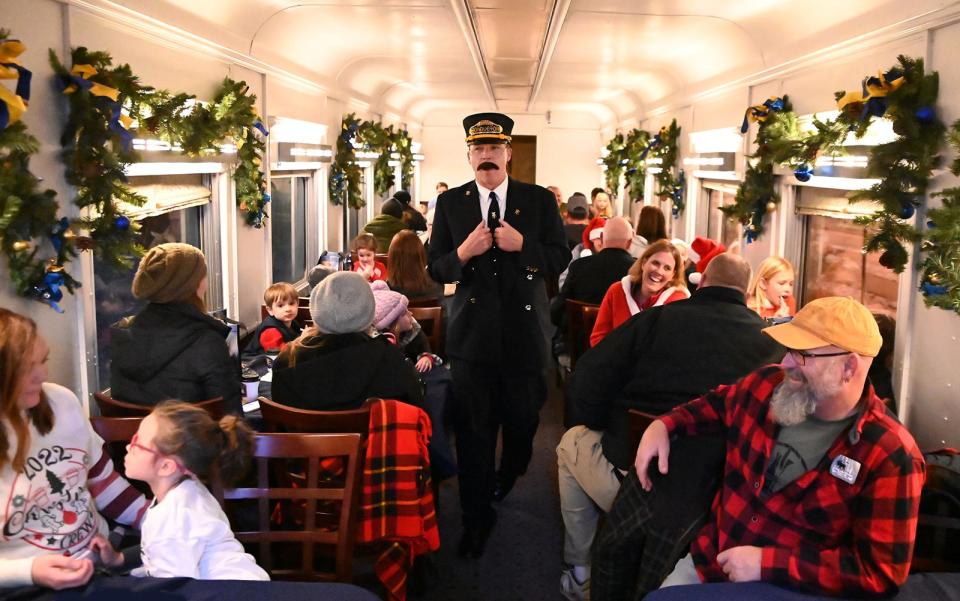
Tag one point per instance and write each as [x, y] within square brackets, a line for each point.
[610, 59]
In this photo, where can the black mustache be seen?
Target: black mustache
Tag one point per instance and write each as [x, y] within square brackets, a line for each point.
[487, 165]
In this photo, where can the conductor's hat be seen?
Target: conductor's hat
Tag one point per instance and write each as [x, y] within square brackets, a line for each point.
[488, 128]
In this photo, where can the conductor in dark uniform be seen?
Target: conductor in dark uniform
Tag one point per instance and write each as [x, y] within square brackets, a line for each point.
[496, 238]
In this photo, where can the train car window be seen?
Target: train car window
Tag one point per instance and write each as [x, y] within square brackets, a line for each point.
[834, 264]
[289, 226]
[190, 217]
[719, 227]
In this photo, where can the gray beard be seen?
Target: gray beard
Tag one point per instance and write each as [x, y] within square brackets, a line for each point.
[792, 403]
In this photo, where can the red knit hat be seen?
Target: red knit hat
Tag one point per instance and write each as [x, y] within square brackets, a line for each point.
[596, 222]
[703, 251]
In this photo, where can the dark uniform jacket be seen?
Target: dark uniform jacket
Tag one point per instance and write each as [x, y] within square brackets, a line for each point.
[172, 351]
[666, 356]
[334, 372]
[499, 319]
[589, 278]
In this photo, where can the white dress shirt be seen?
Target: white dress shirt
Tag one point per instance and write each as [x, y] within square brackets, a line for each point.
[501, 191]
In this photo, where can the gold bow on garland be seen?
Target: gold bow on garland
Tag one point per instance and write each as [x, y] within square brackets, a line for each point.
[13, 105]
[871, 100]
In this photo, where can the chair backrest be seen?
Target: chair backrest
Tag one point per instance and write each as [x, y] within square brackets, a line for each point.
[111, 407]
[580, 320]
[424, 301]
[937, 546]
[115, 429]
[290, 550]
[283, 418]
[638, 422]
[431, 320]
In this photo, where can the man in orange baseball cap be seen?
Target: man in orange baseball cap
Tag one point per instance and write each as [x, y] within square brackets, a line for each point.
[818, 476]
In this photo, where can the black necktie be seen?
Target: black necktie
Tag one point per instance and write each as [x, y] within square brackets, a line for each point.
[493, 213]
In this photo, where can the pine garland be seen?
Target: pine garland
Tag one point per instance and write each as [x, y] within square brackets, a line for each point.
[940, 277]
[345, 174]
[29, 214]
[614, 161]
[904, 166]
[669, 186]
[636, 170]
[757, 195]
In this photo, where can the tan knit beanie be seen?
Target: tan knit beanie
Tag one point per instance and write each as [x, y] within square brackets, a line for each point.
[170, 273]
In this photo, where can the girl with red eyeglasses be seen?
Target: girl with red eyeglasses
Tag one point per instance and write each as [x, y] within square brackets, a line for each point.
[185, 532]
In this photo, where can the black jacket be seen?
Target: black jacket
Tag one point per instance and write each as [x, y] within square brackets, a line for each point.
[589, 278]
[337, 372]
[172, 351]
[499, 320]
[663, 357]
[254, 347]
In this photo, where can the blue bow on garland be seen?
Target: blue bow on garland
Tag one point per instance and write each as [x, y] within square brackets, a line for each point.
[13, 104]
[57, 235]
[260, 127]
[873, 93]
[760, 112]
[79, 79]
[49, 290]
[654, 142]
[261, 213]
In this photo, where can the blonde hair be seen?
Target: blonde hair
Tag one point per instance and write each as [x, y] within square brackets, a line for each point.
[18, 336]
[770, 267]
[678, 280]
[203, 445]
[280, 291]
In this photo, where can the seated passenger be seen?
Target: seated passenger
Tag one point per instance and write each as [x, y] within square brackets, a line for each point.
[280, 325]
[336, 364]
[589, 278]
[172, 348]
[385, 226]
[821, 487]
[185, 532]
[365, 245]
[412, 218]
[702, 251]
[651, 226]
[56, 478]
[316, 274]
[653, 280]
[576, 219]
[407, 266]
[650, 364]
[590, 243]
[771, 291]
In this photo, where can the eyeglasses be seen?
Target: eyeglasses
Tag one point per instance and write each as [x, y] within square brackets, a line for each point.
[801, 356]
[134, 444]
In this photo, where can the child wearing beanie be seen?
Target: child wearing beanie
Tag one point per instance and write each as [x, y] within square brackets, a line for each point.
[394, 321]
[336, 364]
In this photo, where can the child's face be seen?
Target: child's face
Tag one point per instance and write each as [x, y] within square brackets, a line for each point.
[284, 309]
[405, 323]
[142, 460]
[366, 257]
[778, 286]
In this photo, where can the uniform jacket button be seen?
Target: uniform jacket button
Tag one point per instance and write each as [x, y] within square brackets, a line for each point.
[528, 307]
[473, 299]
[529, 277]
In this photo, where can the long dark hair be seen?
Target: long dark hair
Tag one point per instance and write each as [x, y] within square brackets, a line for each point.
[18, 336]
[407, 264]
[652, 225]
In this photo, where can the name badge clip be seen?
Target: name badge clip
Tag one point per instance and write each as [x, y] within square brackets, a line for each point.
[845, 468]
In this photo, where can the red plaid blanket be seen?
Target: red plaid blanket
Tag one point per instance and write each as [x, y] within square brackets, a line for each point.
[397, 499]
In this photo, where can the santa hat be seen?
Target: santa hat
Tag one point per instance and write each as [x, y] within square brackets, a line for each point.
[596, 223]
[701, 252]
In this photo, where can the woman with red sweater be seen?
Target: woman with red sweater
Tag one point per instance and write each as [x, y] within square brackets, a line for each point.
[652, 281]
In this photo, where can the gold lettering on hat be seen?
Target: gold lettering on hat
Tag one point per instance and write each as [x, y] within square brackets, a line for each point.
[485, 127]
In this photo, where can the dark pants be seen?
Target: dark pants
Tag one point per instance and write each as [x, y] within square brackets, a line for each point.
[486, 400]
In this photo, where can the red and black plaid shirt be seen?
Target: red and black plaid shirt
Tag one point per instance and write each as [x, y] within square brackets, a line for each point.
[818, 532]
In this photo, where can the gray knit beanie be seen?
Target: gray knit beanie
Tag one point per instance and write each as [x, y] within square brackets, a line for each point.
[342, 303]
[169, 273]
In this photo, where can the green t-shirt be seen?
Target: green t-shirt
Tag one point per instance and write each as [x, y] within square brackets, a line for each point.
[799, 448]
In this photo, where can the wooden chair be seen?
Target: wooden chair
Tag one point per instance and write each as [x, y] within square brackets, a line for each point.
[431, 320]
[580, 320]
[638, 421]
[117, 432]
[283, 418]
[937, 546]
[425, 301]
[111, 407]
[290, 552]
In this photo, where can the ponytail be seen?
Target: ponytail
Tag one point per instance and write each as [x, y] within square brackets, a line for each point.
[202, 445]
